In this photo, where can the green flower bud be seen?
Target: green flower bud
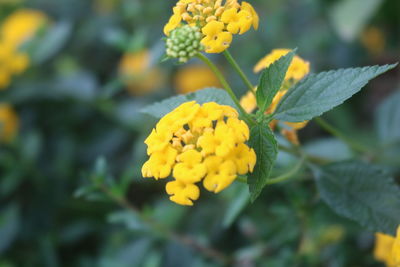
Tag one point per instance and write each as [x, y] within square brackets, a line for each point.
[183, 43]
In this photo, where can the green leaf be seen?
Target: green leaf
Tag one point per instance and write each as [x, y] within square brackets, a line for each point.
[361, 192]
[387, 119]
[271, 80]
[262, 140]
[318, 93]
[160, 109]
[238, 202]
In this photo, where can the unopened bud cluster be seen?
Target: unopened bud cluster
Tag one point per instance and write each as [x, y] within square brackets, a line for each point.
[184, 42]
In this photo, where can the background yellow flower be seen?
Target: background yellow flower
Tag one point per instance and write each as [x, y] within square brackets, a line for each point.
[16, 29]
[8, 123]
[139, 73]
[191, 78]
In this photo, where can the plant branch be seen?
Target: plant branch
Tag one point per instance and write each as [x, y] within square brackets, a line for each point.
[286, 176]
[335, 132]
[237, 68]
[227, 87]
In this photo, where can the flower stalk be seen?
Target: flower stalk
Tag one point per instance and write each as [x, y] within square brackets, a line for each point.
[237, 68]
[227, 88]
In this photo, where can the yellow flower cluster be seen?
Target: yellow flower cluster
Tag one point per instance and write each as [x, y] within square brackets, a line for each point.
[218, 20]
[198, 143]
[387, 249]
[139, 74]
[8, 123]
[17, 28]
[298, 69]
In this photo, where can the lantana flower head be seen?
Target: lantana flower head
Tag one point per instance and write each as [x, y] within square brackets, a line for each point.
[198, 143]
[217, 20]
[298, 69]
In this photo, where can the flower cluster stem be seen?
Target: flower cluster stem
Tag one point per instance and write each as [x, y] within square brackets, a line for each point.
[281, 178]
[288, 175]
[227, 87]
[237, 68]
[335, 132]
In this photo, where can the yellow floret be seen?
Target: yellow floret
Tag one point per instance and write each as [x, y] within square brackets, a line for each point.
[246, 6]
[157, 140]
[383, 248]
[182, 193]
[220, 174]
[160, 163]
[208, 113]
[190, 169]
[216, 39]
[220, 142]
[173, 22]
[244, 158]
[240, 129]
[237, 21]
[396, 249]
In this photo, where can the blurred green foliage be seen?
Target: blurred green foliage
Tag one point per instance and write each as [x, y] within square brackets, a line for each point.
[71, 191]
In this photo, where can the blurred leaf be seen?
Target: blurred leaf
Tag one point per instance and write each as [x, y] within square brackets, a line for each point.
[31, 146]
[318, 93]
[84, 190]
[263, 141]
[387, 119]
[329, 148]
[10, 181]
[129, 255]
[100, 167]
[162, 108]
[271, 80]
[168, 213]
[361, 192]
[52, 42]
[236, 205]
[349, 17]
[80, 85]
[154, 259]
[9, 226]
[116, 38]
[128, 219]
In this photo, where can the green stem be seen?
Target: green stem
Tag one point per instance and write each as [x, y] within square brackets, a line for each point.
[281, 178]
[237, 68]
[227, 87]
[286, 176]
[335, 132]
[242, 179]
